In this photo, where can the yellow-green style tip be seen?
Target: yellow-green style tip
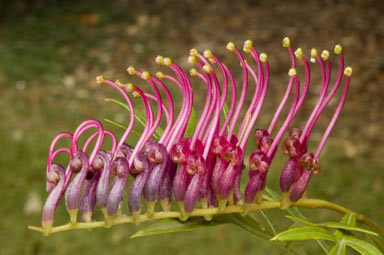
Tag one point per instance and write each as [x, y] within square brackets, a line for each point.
[167, 61]
[160, 75]
[325, 55]
[207, 53]
[193, 52]
[159, 60]
[299, 53]
[207, 68]
[145, 75]
[338, 49]
[191, 59]
[292, 72]
[100, 79]
[286, 42]
[230, 46]
[193, 72]
[131, 70]
[348, 71]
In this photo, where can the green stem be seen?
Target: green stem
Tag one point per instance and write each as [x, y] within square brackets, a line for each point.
[304, 202]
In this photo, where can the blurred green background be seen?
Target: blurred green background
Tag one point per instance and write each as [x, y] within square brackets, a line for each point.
[51, 51]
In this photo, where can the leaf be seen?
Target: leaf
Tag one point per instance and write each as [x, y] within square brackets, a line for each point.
[305, 233]
[137, 133]
[361, 246]
[191, 124]
[338, 225]
[349, 219]
[139, 116]
[225, 110]
[379, 243]
[339, 248]
[300, 220]
[249, 224]
[174, 225]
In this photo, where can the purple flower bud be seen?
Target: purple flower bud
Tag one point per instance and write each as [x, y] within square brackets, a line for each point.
[233, 154]
[217, 172]
[52, 179]
[196, 164]
[295, 133]
[265, 143]
[119, 165]
[165, 188]
[102, 189]
[153, 152]
[180, 151]
[292, 147]
[205, 184]
[260, 133]
[54, 196]
[138, 184]
[73, 191]
[180, 183]
[300, 186]
[88, 198]
[308, 160]
[258, 161]
[153, 182]
[288, 175]
[254, 185]
[227, 181]
[237, 196]
[218, 144]
[192, 192]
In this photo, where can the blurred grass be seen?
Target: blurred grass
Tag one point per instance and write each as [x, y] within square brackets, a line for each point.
[51, 52]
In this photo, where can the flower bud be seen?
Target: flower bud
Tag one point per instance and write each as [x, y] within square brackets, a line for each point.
[196, 164]
[218, 144]
[260, 133]
[138, 184]
[300, 186]
[265, 144]
[295, 132]
[292, 147]
[54, 197]
[233, 154]
[253, 186]
[180, 183]
[73, 191]
[288, 175]
[180, 152]
[258, 161]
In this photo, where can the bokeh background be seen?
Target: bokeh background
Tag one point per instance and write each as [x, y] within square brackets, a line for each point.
[51, 51]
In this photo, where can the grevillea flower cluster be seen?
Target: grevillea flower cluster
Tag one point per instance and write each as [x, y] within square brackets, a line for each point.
[203, 170]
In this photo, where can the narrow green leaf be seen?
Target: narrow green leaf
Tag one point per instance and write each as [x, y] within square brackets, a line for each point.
[300, 220]
[349, 219]
[361, 246]
[174, 225]
[137, 133]
[139, 116]
[249, 224]
[338, 225]
[339, 248]
[268, 221]
[305, 233]
[379, 243]
[225, 110]
[191, 124]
